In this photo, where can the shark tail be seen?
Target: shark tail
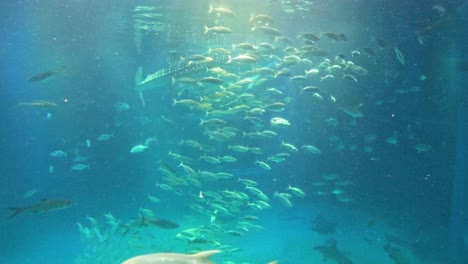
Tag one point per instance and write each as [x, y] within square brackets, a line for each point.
[16, 211]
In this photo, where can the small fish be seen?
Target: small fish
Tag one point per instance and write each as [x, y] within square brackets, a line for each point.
[310, 89]
[58, 154]
[309, 36]
[420, 148]
[279, 122]
[217, 29]
[400, 56]
[220, 11]
[327, 77]
[355, 53]
[244, 46]
[228, 159]
[335, 36]
[317, 96]
[243, 58]
[350, 77]
[357, 69]
[284, 199]
[153, 199]
[44, 205]
[260, 19]
[234, 233]
[264, 165]
[104, 137]
[38, 103]
[211, 80]
[146, 212]
[311, 149]
[138, 148]
[296, 191]
[290, 147]
[80, 167]
[238, 148]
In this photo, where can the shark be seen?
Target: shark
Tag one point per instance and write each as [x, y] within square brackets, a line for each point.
[44, 205]
[165, 76]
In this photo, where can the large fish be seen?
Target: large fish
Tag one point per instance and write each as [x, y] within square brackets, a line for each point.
[173, 258]
[163, 77]
[44, 205]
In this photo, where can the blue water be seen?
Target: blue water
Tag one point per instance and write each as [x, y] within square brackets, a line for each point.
[396, 206]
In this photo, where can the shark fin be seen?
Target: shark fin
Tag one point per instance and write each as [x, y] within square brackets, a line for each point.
[16, 211]
[138, 80]
[138, 76]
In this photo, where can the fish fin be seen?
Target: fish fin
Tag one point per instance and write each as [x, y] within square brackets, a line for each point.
[138, 76]
[138, 80]
[205, 255]
[16, 211]
[142, 98]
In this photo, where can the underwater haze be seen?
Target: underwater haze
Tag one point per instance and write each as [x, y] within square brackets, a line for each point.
[295, 131]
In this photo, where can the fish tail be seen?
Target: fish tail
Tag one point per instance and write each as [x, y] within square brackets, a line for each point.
[16, 211]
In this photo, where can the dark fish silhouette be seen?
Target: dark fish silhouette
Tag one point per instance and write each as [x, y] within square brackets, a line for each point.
[44, 205]
[163, 223]
[42, 76]
[159, 222]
